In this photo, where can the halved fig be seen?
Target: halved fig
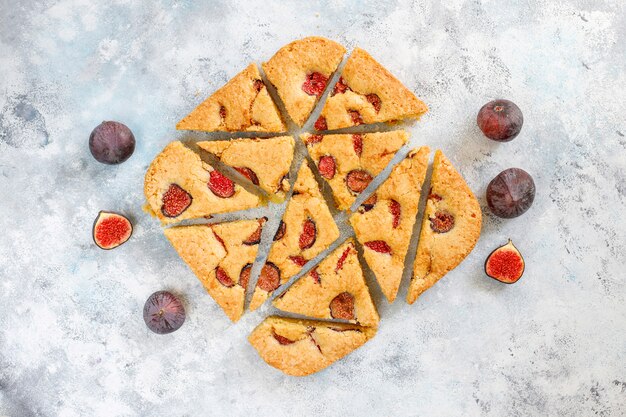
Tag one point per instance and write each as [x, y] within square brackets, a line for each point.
[379, 246]
[249, 174]
[308, 234]
[326, 166]
[369, 203]
[342, 258]
[342, 307]
[314, 84]
[357, 180]
[269, 279]
[396, 211]
[111, 230]
[505, 264]
[223, 278]
[356, 117]
[175, 201]
[320, 123]
[244, 275]
[255, 237]
[280, 232]
[375, 101]
[357, 144]
[314, 139]
[282, 339]
[220, 185]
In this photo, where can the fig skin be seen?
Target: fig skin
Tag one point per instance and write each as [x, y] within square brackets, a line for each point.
[103, 215]
[508, 247]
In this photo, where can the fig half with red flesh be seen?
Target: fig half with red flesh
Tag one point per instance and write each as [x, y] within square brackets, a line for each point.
[505, 264]
[110, 230]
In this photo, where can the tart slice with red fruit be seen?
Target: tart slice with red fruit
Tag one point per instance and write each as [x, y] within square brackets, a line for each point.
[334, 289]
[264, 162]
[221, 256]
[303, 347]
[300, 72]
[367, 93]
[349, 162]
[450, 227]
[306, 229]
[179, 185]
[241, 105]
[384, 228]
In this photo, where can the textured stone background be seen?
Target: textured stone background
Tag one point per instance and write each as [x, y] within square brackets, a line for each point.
[72, 339]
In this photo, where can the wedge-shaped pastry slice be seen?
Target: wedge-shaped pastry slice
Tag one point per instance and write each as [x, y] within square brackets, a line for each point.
[335, 289]
[307, 228]
[350, 162]
[265, 162]
[178, 186]
[384, 228]
[450, 228]
[243, 104]
[300, 72]
[221, 256]
[367, 93]
[303, 347]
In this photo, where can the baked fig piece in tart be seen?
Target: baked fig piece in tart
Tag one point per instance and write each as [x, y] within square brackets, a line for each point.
[307, 228]
[300, 72]
[303, 347]
[221, 256]
[241, 105]
[349, 162]
[450, 227]
[179, 185]
[334, 289]
[367, 93]
[385, 229]
[264, 162]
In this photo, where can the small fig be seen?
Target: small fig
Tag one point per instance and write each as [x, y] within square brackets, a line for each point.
[111, 143]
[505, 264]
[163, 312]
[110, 230]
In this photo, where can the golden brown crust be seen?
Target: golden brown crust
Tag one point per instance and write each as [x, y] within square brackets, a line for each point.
[377, 151]
[269, 159]
[177, 164]
[364, 76]
[242, 104]
[307, 346]
[403, 187]
[306, 203]
[201, 247]
[288, 68]
[338, 273]
[439, 253]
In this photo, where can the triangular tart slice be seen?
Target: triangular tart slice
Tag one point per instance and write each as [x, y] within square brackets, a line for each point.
[306, 229]
[300, 72]
[367, 93]
[303, 347]
[450, 227]
[349, 162]
[264, 162]
[384, 228]
[179, 185]
[335, 289]
[242, 104]
[221, 256]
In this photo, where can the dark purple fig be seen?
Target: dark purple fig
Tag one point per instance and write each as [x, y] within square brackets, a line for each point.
[500, 120]
[511, 193]
[163, 312]
[111, 143]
